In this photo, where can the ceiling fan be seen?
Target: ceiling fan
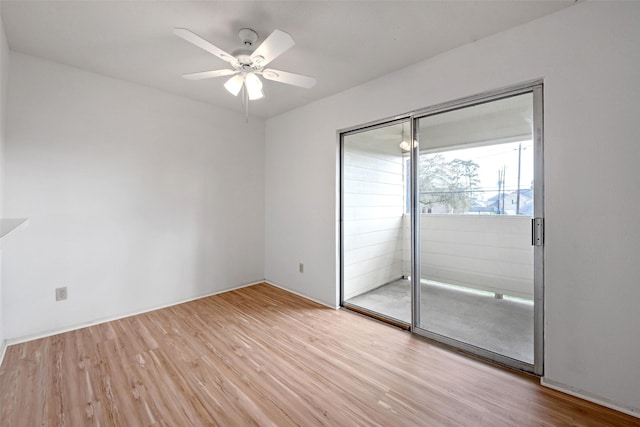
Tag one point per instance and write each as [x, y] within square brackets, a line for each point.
[247, 64]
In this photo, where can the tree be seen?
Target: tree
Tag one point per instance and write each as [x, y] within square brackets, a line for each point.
[448, 186]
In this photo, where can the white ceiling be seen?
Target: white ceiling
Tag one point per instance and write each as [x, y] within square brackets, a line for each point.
[341, 43]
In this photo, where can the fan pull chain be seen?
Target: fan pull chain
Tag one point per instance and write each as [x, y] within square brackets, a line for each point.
[245, 102]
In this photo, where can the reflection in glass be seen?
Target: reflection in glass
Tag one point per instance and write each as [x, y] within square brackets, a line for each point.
[376, 225]
[475, 177]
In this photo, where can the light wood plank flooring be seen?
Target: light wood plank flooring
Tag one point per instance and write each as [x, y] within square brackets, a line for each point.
[262, 356]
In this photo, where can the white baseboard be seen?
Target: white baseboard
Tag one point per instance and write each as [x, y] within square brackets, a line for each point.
[269, 282]
[3, 350]
[634, 412]
[52, 332]
[4, 344]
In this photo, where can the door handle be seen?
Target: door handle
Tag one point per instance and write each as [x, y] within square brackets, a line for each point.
[537, 231]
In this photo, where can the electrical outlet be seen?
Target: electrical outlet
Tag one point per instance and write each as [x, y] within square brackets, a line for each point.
[61, 293]
[301, 268]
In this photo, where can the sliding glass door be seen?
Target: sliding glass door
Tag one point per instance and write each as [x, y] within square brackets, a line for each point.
[442, 224]
[476, 179]
[376, 221]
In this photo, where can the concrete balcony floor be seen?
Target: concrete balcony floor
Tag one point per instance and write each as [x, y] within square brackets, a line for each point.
[503, 326]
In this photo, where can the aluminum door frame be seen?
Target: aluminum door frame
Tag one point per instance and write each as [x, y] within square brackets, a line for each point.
[536, 89]
[405, 118]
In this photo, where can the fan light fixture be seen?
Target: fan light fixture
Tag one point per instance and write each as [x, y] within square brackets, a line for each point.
[404, 145]
[254, 86]
[251, 83]
[234, 84]
[247, 64]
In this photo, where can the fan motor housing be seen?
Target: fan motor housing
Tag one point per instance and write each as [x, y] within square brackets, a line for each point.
[243, 56]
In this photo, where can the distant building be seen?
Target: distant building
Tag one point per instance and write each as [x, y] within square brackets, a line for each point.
[509, 205]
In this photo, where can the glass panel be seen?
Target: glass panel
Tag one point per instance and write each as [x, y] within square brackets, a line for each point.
[475, 178]
[376, 235]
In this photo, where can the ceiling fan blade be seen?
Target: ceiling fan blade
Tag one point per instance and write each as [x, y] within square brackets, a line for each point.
[208, 74]
[203, 44]
[289, 78]
[275, 45]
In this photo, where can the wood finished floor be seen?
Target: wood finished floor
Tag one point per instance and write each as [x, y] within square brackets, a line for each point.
[262, 356]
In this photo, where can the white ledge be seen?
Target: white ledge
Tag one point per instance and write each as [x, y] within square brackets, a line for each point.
[7, 225]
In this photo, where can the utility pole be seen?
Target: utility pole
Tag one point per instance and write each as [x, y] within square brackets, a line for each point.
[504, 185]
[518, 194]
[501, 190]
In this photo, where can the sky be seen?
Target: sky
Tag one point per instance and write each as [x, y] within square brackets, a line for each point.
[493, 158]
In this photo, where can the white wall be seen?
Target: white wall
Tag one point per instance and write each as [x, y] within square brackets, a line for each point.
[589, 58]
[4, 76]
[137, 198]
[491, 253]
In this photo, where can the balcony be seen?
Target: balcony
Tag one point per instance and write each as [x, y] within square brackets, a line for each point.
[476, 277]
